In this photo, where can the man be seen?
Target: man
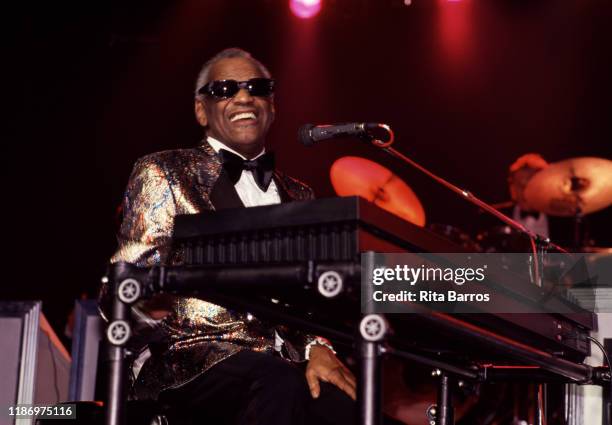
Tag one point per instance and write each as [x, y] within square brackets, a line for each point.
[225, 365]
[496, 237]
[519, 174]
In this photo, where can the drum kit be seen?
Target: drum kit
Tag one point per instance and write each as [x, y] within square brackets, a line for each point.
[571, 188]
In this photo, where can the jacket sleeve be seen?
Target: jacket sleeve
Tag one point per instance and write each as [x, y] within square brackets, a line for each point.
[148, 212]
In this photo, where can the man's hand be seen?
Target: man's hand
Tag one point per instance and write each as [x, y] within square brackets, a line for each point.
[325, 366]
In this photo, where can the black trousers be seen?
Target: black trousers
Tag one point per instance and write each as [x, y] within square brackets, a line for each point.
[251, 388]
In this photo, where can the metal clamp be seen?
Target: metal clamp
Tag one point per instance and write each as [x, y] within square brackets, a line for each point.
[373, 327]
[431, 414]
[330, 284]
[118, 332]
[129, 291]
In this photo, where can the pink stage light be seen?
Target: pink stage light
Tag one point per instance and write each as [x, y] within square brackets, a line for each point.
[305, 8]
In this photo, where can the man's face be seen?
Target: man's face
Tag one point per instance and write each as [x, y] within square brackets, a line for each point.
[242, 121]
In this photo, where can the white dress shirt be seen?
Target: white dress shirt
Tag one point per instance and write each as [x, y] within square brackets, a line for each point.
[539, 225]
[250, 194]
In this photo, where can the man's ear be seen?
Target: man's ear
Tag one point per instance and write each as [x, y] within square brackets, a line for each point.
[200, 113]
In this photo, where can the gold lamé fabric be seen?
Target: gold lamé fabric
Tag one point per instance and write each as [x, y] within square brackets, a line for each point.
[189, 335]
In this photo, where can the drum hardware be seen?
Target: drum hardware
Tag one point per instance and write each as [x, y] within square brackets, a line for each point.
[502, 239]
[457, 235]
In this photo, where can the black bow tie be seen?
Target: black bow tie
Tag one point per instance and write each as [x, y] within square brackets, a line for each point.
[262, 167]
[525, 214]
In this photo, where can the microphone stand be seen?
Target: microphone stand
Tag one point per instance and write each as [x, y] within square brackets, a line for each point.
[539, 244]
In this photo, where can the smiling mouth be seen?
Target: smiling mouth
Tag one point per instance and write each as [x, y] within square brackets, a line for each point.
[243, 116]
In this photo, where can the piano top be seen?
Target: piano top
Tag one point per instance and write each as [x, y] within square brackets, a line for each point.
[323, 211]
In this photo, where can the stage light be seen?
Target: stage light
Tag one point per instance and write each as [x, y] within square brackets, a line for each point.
[305, 8]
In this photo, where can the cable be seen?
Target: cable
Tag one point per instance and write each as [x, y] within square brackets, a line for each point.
[605, 353]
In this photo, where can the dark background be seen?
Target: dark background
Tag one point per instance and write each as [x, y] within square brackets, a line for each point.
[468, 86]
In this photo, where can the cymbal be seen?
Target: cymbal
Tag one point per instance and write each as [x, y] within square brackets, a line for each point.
[574, 186]
[354, 176]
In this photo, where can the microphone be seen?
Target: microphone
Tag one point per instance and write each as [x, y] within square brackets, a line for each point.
[309, 134]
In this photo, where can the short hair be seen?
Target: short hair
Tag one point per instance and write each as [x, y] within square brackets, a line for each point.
[529, 160]
[232, 52]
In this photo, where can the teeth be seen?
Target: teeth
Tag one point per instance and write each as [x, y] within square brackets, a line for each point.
[243, 116]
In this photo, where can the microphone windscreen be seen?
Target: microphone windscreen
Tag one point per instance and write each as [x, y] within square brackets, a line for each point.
[304, 135]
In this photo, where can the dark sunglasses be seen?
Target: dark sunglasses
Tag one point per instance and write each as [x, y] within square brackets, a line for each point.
[225, 89]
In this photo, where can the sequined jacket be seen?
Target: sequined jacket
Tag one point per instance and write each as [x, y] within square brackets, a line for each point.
[194, 334]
